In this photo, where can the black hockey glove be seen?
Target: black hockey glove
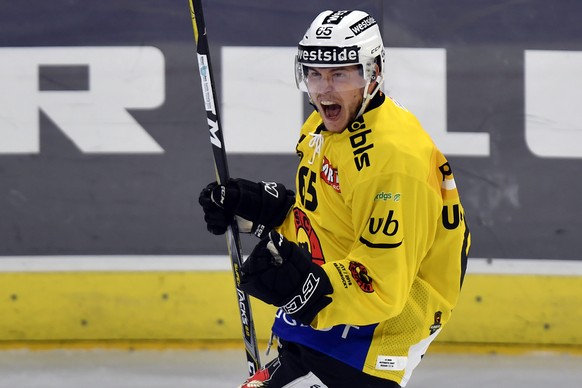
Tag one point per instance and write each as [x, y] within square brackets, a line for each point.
[281, 273]
[260, 206]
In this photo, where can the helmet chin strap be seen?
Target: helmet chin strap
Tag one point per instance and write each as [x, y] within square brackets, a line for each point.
[368, 96]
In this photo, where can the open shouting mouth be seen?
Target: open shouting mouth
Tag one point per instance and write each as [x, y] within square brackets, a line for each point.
[331, 110]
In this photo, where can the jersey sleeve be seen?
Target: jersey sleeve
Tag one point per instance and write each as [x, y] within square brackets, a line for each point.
[394, 218]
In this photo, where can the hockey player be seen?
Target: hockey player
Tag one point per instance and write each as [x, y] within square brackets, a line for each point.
[367, 261]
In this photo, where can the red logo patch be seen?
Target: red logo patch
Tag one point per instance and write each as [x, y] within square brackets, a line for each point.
[302, 223]
[360, 275]
[329, 175]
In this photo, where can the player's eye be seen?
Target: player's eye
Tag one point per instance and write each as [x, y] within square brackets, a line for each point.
[313, 75]
[341, 76]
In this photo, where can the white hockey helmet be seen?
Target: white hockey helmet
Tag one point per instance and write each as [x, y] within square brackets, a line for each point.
[343, 38]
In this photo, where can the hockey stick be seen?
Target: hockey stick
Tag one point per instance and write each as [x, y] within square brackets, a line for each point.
[221, 169]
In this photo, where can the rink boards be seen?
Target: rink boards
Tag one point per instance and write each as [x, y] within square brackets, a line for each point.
[120, 298]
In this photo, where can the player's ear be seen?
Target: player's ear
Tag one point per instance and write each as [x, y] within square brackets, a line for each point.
[375, 74]
[376, 71]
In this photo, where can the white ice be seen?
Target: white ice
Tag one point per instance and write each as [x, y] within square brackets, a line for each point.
[226, 368]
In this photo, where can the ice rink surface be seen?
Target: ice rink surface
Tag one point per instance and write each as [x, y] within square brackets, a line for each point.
[225, 368]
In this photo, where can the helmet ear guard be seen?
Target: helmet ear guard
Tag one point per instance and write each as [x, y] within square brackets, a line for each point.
[377, 77]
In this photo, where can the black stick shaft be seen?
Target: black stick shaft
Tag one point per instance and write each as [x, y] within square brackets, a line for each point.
[221, 169]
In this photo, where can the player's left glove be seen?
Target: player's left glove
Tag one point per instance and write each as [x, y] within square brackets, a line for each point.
[259, 207]
[281, 273]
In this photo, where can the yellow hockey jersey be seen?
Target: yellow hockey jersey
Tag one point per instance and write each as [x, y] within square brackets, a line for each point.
[377, 207]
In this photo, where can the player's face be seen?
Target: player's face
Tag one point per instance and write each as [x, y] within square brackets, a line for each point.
[337, 93]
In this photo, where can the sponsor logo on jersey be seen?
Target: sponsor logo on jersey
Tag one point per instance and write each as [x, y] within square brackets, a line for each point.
[336, 17]
[360, 143]
[306, 236]
[381, 231]
[382, 196]
[329, 175]
[452, 213]
[448, 180]
[328, 55]
[343, 274]
[452, 216]
[362, 25]
[360, 274]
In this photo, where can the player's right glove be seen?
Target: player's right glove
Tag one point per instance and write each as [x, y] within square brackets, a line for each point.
[281, 273]
[259, 206]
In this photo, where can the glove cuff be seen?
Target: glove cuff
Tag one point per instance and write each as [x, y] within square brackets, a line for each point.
[310, 298]
[266, 204]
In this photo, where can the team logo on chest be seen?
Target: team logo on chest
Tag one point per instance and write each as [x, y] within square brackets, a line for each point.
[306, 236]
[329, 175]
